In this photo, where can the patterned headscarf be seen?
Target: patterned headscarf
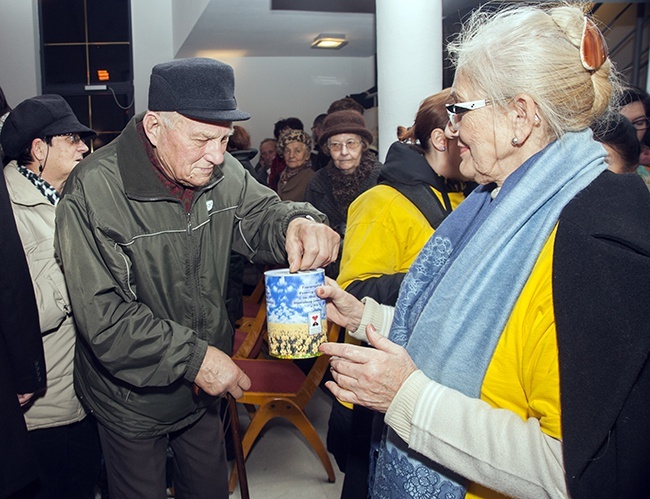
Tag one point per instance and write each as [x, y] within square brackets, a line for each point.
[292, 136]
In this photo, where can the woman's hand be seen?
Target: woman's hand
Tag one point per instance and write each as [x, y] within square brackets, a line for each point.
[342, 308]
[370, 377]
[23, 398]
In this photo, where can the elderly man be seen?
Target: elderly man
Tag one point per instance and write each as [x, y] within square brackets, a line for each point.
[144, 231]
[267, 155]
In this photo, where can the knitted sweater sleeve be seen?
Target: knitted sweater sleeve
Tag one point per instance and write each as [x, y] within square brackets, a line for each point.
[493, 447]
[380, 316]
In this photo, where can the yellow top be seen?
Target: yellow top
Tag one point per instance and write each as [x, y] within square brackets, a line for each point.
[384, 233]
[523, 375]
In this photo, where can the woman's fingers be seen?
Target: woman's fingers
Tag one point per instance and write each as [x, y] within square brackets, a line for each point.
[341, 394]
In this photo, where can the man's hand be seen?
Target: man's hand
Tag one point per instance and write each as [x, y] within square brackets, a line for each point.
[219, 375]
[310, 244]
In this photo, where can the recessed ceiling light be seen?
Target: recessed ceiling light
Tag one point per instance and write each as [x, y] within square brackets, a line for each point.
[329, 41]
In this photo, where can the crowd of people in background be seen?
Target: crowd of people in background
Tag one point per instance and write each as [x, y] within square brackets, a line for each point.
[489, 221]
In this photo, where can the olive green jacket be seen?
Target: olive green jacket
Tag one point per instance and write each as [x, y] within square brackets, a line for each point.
[147, 279]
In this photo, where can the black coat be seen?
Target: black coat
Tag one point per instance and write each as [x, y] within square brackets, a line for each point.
[22, 365]
[601, 292]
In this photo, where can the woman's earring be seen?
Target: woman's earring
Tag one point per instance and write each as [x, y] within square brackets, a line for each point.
[536, 120]
[443, 149]
[514, 141]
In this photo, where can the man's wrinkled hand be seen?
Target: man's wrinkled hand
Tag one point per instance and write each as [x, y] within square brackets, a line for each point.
[310, 244]
[219, 375]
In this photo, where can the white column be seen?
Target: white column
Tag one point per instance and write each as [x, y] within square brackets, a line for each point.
[20, 77]
[152, 24]
[409, 62]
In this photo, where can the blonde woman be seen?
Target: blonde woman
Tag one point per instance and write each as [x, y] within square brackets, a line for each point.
[517, 358]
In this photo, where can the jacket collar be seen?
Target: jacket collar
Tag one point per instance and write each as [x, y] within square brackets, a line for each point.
[407, 165]
[21, 190]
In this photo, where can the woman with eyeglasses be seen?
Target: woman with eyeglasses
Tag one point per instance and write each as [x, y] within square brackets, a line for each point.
[353, 169]
[517, 358]
[43, 142]
[635, 106]
[618, 137]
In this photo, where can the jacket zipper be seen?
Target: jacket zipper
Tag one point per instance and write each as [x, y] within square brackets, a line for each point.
[197, 315]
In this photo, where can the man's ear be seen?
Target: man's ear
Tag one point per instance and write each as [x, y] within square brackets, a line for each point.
[523, 117]
[152, 125]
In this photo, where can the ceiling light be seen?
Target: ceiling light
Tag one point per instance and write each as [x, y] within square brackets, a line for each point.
[329, 41]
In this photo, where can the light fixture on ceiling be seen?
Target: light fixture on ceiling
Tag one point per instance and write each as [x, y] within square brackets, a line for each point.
[329, 41]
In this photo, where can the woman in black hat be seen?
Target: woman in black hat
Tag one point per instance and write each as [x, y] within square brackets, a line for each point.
[43, 141]
[352, 170]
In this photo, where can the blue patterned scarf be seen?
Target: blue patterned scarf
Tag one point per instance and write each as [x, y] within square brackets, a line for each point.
[459, 293]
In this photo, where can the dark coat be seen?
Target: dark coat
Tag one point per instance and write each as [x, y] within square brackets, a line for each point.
[22, 365]
[294, 188]
[115, 224]
[601, 292]
[319, 194]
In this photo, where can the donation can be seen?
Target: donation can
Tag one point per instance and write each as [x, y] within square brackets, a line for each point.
[296, 317]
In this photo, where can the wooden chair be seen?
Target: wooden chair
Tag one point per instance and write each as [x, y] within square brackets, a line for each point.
[251, 305]
[249, 337]
[280, 389]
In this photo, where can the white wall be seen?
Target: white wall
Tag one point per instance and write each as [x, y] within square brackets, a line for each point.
[151, 28]
[271, 88]
[404, 82]
[19, 41]
[19, 56]
[185, 13]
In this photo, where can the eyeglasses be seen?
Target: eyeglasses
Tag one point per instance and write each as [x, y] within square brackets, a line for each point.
[641, 123]
[351, 145]
[73, 138]
[593, 47]
[455, 111]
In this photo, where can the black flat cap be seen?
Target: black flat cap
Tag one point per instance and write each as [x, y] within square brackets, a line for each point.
[198, 88]
[39, 117]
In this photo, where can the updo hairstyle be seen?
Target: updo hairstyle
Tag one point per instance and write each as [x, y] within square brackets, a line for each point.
[535, 49]
[431, 114]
